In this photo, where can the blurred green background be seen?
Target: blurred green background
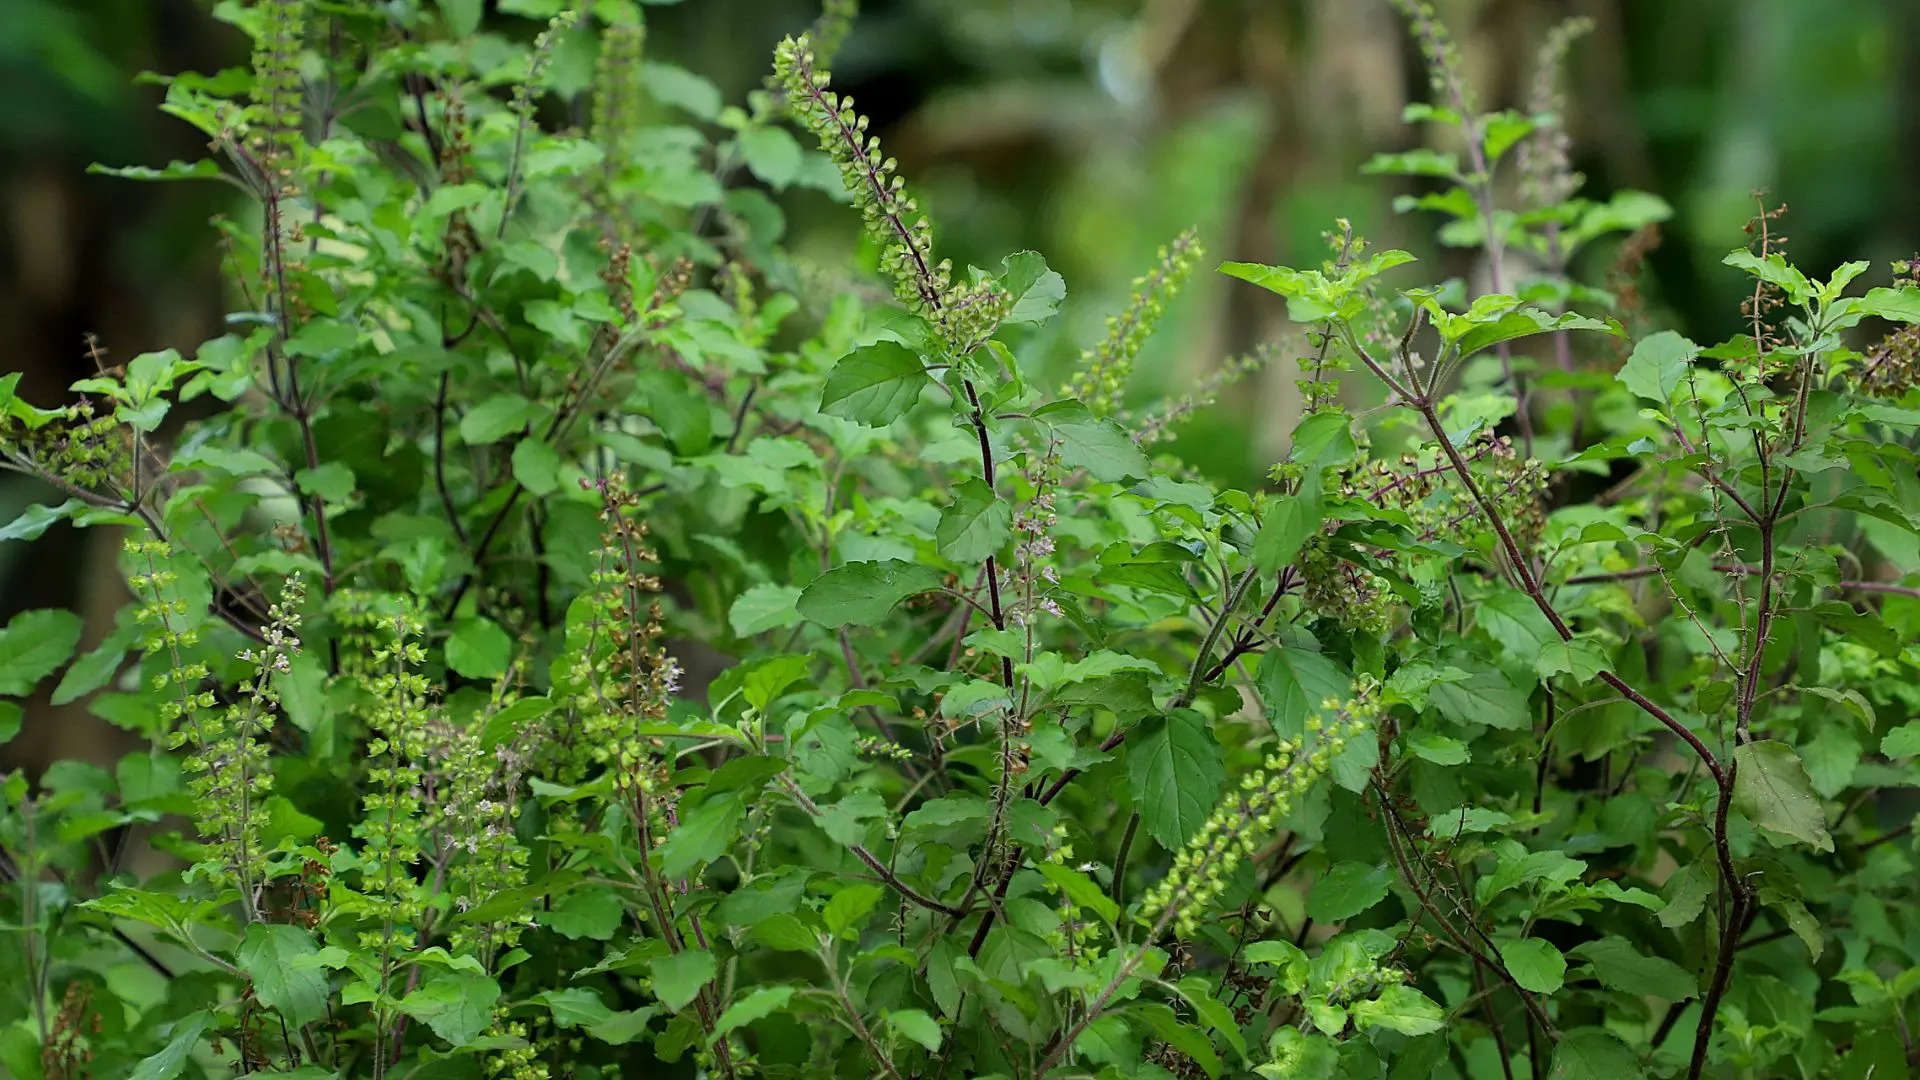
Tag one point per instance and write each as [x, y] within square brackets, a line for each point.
[1089, 130]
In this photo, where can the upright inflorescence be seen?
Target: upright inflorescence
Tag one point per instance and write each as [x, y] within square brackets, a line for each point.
[963, 314]
[478, 807]
[393, 808]
[1238, 825]
[1762, 309]
[1032, 576]
[275, 121]
[1156, 423]
[830, 29]
[1445, 70]
[1547, 174]
[1893, 367]
[77, 447]
[619, 678]
[241, 739]
[1319, 382]
[617, 98]
[226, 758]
[1101, 381]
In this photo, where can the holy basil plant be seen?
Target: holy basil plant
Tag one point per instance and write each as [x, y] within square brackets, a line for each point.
[575, 636]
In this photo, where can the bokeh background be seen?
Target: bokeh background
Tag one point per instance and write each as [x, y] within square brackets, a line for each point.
[1089, 130]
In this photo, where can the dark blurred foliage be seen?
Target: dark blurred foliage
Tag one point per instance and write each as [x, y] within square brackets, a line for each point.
[1090, 130]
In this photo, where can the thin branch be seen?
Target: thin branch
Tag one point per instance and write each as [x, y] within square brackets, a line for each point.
[873, 863]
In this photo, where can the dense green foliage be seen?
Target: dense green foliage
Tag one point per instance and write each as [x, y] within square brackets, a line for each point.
[577, 636]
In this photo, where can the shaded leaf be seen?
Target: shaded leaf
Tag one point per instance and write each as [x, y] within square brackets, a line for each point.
[457, 1005]
[875, 385]
[975, 525]
[1771, 788]
[678, 977]
[864, 592]
[33, 644]
[1535, 964]
[1346, 890]
[271, 953]
[1175, 770]
[1658, 363]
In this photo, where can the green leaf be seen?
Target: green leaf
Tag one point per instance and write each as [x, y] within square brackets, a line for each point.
[1290, 522]
[574, 1008]
[497, 417]
[1903, 741]
[1849, 699]
[1322, 440]
[850, 906]
[703, 835]
[676, 86]
[1583, 658]
[1592, 1054]
[875, 385]
[1774, 270]
[1801, 921]
[456, 1005]
[1175, 770]
[36, 519]
[1502, 130]
[1657, 366]
[1100, 446]
[557, 321]
[1831, 757]
[975, 525]
[10, 716]
[787, 933]
[1036, 291]
[33, 645]
[1898, 305]
[1771, 788]
[93, 668]
[1535, 964]
[1620, 966]
[332, 481]
[1417, 162]
[204, 169]
[1080, 890]
[1687, 891]
[1210, 1014]
[864, 592]
[591, 913]
[1285, 955]
[537, 466]
[1526, 322]
[1400, 1008]
[1185, 1038]
[1346, 890]
[272, 954]
[1626, 211]
[1440, 749]
[172, 1058]
[772, 153]
[479, 649]
[1311, 298]
[1515, 622]
[763, 608]
[766, 679]
[462, 16]
[1295, 683]
[761, 1002]
[916, 1025]
[678, 977]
